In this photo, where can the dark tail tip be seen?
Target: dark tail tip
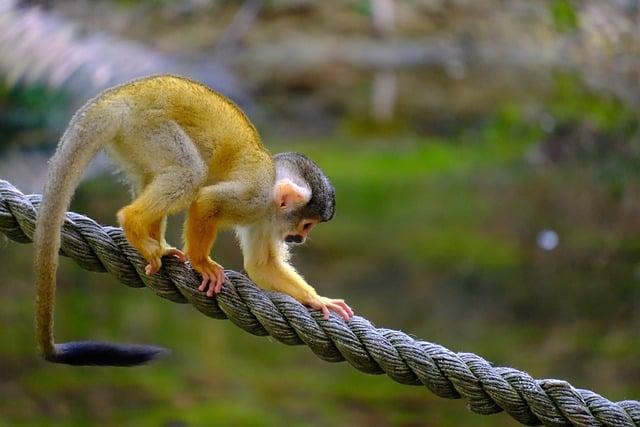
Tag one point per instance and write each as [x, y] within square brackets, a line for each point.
[96, 353]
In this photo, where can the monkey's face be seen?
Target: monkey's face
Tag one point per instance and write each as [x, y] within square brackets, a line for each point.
[303, 196]
[300, 230]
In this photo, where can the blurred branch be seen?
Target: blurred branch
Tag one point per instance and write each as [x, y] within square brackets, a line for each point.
[240, 25]
[37, 46]
[605, 72]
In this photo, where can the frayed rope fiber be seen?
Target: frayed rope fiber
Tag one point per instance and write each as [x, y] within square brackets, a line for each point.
[487, 389]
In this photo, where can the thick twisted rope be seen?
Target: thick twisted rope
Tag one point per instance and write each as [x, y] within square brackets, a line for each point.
[487, 389]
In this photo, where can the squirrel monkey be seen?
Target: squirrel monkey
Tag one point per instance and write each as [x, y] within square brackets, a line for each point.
[184, 146]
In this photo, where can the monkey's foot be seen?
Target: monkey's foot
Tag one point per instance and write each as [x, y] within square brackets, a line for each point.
[155, 261]
[326, 305]
[153, 266]
[212, 276]
[171, 251]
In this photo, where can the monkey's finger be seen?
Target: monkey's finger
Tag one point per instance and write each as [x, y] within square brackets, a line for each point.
[325, 312]
[212, 281]
[341, 312]
[346, 307]
[319, 305]
[219, 281]
[345, 310]
[204, 283]
[213, 277]
[212, 287]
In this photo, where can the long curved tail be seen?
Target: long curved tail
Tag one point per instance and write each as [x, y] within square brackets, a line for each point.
[90, 129]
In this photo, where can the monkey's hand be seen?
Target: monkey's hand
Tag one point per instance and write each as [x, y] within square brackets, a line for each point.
[280, 276]
[212, 275]
[327, 304]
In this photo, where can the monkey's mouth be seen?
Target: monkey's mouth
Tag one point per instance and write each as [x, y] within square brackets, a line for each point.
[296, 239]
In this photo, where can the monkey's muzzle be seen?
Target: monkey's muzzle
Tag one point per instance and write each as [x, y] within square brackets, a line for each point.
[294, 238]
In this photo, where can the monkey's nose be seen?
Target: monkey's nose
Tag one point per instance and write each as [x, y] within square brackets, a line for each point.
[294, 238]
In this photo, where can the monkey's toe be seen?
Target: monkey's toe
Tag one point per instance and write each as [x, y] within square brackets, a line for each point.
[153, 266]
[170, 251]
[150, 270]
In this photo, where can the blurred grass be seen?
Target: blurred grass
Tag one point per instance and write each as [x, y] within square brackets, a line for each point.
[434, 234]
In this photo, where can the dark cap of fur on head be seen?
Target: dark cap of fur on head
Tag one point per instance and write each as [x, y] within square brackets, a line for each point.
[322, 204]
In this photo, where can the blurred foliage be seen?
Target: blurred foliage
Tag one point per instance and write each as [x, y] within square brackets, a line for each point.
[438, 216]
[573, 103]
[434, 234]
[32, 110]
[564, 15]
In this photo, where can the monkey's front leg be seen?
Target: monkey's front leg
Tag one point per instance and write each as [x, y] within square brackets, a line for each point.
[275, 274]
[199, 235]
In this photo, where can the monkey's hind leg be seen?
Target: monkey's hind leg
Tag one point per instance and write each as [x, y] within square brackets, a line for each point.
[174, 173]
[142, 220]
[157, 232]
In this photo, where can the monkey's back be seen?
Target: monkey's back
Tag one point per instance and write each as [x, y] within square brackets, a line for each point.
[226, 139]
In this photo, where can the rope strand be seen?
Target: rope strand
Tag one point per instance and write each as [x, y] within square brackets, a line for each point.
[487, 389]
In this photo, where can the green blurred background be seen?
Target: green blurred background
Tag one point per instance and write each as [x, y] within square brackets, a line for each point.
[485, 156]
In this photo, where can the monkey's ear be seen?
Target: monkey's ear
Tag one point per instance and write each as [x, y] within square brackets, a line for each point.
[288, 195]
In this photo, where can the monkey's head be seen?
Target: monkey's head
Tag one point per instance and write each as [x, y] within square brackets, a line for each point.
[303, 196]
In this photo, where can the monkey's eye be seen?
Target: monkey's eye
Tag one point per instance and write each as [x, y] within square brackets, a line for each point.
[307, 225]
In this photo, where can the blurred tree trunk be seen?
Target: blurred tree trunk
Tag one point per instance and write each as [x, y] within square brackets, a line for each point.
[385, 86]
